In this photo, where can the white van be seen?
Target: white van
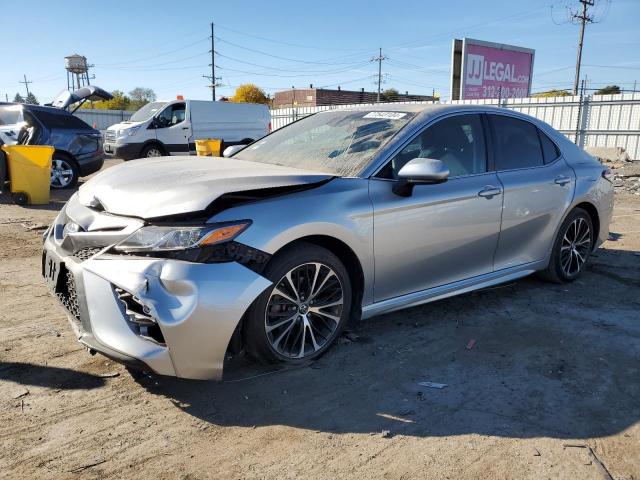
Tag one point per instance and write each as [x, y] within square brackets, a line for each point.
[171, 128]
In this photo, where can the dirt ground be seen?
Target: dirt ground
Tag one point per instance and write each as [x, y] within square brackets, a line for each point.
[550, 389]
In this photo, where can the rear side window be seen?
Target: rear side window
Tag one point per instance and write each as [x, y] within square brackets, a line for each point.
[549, 149]
[517, 144]
[61, 120]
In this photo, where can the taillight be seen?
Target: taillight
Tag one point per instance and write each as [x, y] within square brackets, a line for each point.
[607, 174]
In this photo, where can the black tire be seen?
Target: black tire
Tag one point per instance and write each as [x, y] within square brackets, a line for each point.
[20, 198]
[259, 343]
[64, 163]
[557, 271]
[150, 150]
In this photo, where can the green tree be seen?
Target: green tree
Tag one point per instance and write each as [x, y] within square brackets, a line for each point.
[389, 95]
[609, 89]
[18, 98]
[249, 93]
[552, 93]
[31, 99]
[140, 96]
[119, 102]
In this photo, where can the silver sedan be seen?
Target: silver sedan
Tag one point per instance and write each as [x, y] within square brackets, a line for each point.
[171, 263]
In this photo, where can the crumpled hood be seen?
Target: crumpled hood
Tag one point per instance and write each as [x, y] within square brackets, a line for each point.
[157, 187]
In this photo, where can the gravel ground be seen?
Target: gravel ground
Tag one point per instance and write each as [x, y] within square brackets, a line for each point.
[550, 387]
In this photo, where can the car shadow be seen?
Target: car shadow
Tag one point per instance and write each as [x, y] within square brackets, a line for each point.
[525, 359]
[46, 376]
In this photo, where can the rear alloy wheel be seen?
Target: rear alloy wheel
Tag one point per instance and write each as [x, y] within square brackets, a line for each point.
[64, 173]
[571, 249]
[306, 308]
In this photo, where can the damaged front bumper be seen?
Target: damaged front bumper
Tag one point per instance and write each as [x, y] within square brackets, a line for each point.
[172, 316]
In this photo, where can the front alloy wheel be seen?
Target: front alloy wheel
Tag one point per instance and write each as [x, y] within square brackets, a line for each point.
[303, 312]
[153, 151]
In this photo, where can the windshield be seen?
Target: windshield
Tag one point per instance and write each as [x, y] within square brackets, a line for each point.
[340, 142]
[146, 112]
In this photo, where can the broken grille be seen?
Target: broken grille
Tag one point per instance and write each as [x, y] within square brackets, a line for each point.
[68, 295]
[86, 253]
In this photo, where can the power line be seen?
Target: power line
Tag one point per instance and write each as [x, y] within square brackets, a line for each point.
[613, 66]
[297, 45]
[356, 64]
[168, 52]
[154, 65]
[263, 74]
[279, 57]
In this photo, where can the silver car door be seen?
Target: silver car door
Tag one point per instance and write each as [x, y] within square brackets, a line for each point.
[538, 188]
[443, 232]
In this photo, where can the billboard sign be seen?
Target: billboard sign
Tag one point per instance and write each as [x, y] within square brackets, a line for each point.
[490, 70]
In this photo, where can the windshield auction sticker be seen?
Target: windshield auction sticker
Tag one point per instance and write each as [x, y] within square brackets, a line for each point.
[386, 115]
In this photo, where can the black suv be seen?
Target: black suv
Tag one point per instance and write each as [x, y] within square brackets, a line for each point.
[78, 147]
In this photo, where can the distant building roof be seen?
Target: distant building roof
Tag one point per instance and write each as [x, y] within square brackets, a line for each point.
[312, 97]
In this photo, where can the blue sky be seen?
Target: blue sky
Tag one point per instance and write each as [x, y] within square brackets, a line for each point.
[277, 44]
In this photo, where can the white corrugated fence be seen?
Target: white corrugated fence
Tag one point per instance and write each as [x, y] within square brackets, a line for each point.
[604, 120]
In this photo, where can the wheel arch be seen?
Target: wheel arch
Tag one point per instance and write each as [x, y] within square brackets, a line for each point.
[153, 141]
[66, 154]
[592, 211]
[348, 258]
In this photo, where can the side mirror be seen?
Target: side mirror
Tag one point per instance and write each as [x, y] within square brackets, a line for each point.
[232, 150]
[420, 171]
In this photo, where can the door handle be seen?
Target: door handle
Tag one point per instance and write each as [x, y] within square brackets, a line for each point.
[562, 180]
[489, 191]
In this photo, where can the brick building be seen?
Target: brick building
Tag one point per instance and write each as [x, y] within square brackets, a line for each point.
[312, 97]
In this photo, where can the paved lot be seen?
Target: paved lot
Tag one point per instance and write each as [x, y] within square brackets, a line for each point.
[552, 366]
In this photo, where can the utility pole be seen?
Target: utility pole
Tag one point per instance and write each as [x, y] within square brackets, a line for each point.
[212, 78]
[584, 19]
[26, 84]
[379, 59]
[580, 106]
[213, 65]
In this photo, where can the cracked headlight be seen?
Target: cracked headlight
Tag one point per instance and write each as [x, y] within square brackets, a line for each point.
[163, 239]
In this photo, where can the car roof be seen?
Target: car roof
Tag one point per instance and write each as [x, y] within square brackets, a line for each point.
[424, 112]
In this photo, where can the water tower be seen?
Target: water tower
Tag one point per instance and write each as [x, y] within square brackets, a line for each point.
[77, 71]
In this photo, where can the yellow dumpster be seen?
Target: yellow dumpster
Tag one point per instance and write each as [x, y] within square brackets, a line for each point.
[29, 169]
[209, 147]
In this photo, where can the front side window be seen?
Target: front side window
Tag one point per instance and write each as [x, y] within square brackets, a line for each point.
[171, 116]
[517, 144]
[457, 141]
